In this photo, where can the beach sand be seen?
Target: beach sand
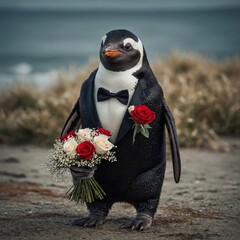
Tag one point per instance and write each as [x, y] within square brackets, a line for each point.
[204, 205]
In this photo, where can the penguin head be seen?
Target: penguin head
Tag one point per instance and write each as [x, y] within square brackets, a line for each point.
[121, 50]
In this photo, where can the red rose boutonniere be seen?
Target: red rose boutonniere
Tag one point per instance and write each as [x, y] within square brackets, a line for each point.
[142, 116]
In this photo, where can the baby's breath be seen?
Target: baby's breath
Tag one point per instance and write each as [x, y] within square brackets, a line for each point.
[58, 162]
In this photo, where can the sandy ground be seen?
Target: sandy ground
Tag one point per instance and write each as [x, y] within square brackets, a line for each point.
[204, 205]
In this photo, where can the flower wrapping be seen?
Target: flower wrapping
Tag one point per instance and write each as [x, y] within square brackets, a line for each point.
[142, 117]
[83, 148]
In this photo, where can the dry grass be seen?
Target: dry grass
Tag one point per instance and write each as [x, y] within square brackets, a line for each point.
[203, 95]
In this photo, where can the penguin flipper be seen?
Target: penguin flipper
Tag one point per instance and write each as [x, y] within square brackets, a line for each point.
[172, 134]
[73, 120]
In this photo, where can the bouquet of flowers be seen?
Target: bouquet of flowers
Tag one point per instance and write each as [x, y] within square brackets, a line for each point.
[142, 117]
[83, 148]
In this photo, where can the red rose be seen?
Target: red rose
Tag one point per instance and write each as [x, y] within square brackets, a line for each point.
[68, 135]
[104, 132]
[85, 150]
[142, 114]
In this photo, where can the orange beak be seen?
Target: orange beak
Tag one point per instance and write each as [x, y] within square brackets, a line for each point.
[112, 53]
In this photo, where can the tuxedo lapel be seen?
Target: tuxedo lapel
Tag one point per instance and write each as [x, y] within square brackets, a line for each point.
[87, 103]
[127, 123]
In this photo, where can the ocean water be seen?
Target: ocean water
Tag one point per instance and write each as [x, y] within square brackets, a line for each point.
[35, 42]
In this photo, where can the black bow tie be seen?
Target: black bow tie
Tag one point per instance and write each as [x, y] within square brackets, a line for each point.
[103, 94]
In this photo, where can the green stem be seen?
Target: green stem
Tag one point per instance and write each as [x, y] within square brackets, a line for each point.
[98, 191]
[86, 190]
[78, 191]
[91, 191]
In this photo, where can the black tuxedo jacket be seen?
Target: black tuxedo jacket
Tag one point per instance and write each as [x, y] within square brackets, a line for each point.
[145, 154]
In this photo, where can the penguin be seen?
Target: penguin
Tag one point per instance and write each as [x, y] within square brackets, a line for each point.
[137, 176]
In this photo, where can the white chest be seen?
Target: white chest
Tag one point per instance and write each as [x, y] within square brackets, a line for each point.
[111, 112]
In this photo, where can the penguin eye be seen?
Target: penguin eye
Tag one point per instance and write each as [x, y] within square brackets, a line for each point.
[128, 47]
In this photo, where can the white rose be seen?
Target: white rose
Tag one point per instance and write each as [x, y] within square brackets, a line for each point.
[102, 144]
[70, 146]
[130, 109]
[84, 133]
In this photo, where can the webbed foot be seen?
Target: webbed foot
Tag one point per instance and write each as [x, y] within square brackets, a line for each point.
[141, 222]
[91, 220]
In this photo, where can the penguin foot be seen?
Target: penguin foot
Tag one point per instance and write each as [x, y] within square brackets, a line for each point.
[140, 223]
[92, 220]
